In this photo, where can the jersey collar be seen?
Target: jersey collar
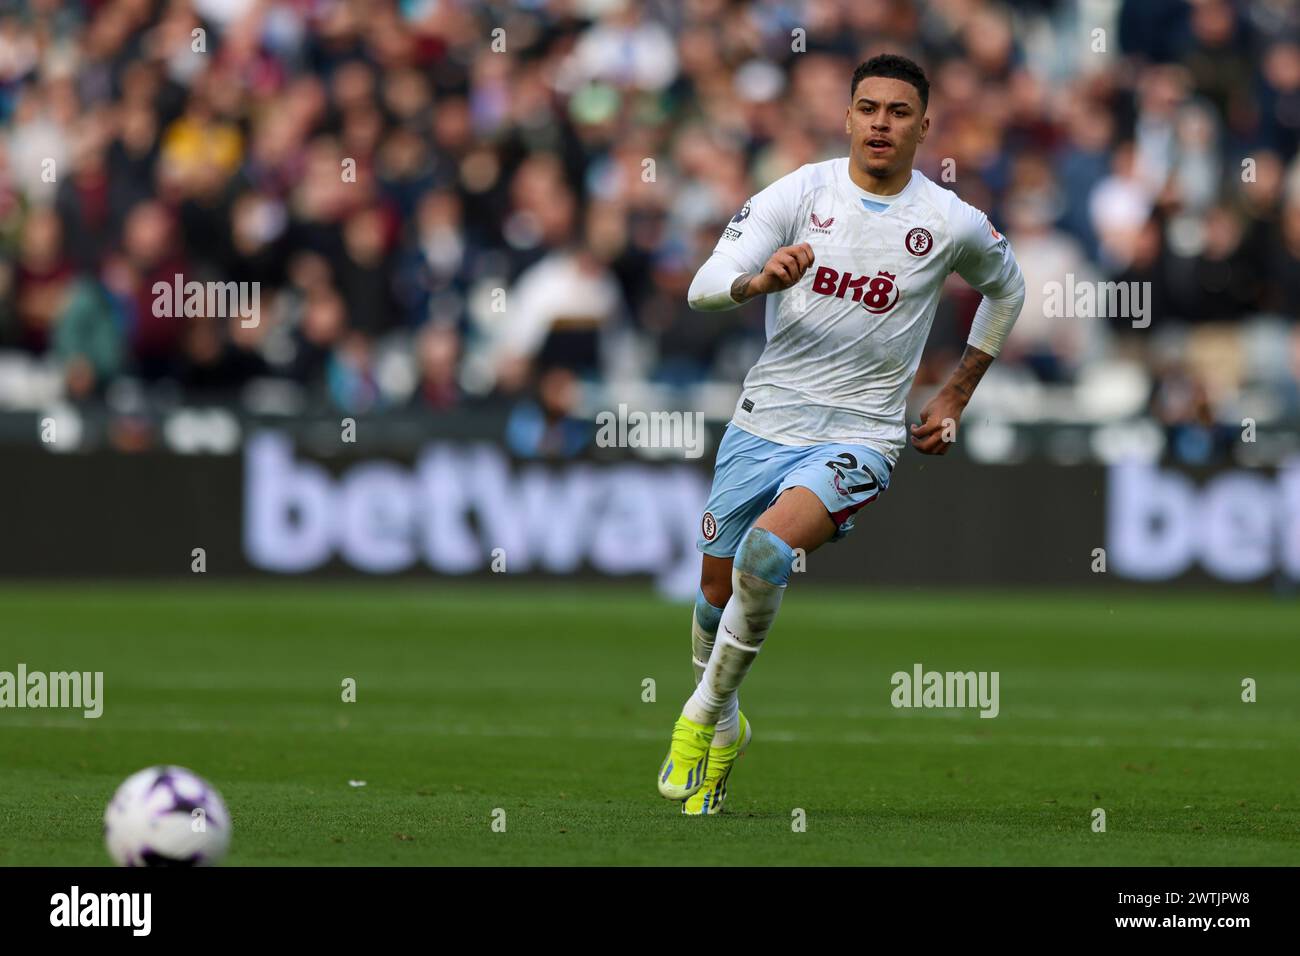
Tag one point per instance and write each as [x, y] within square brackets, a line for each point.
[863, 199]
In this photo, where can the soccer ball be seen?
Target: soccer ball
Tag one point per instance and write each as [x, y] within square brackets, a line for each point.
[166, 816]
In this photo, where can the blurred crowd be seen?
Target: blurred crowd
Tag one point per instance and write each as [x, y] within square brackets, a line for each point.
[447, 203]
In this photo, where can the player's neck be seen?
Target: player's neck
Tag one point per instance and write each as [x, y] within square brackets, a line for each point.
[890, 185]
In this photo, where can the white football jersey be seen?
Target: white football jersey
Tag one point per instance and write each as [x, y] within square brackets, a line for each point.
[844, 343]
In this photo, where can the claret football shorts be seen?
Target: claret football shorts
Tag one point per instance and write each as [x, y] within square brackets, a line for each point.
[751, 472]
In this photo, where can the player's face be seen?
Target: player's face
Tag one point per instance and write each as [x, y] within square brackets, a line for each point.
[885, 125]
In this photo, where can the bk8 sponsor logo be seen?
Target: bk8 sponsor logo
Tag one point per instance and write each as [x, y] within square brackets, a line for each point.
[878, 294]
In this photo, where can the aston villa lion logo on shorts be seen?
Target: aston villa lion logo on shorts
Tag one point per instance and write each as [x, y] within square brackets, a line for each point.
[919, 241]
[709, 526]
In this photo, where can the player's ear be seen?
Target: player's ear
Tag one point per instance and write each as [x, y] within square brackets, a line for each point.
[925, 128]
[848, 121]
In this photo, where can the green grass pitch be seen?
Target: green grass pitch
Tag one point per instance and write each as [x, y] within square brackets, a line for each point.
[528, 699]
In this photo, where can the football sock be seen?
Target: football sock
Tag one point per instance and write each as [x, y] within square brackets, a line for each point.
[704, 628]
[758, 579]
[728, 729]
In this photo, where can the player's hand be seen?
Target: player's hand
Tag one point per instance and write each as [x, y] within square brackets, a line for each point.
[784, 269]
[939, 420]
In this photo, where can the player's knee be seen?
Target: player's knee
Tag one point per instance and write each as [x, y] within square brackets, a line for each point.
[715, 581]
[764, 556]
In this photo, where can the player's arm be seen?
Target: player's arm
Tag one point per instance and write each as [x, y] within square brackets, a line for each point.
[718, 285]
[753, 256]
[984, 260]
[938, 428]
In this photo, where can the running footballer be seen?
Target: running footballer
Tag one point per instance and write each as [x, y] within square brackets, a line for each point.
[851, 254]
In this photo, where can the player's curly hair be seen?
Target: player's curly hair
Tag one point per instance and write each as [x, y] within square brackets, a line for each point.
[893, 67]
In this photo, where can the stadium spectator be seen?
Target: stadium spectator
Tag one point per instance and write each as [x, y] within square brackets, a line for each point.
[381, 169]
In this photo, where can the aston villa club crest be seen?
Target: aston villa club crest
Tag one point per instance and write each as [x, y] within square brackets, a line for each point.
[919, 241]
[822, 226]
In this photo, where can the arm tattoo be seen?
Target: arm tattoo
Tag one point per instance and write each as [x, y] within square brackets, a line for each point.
[969, 371]
[739, 288]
